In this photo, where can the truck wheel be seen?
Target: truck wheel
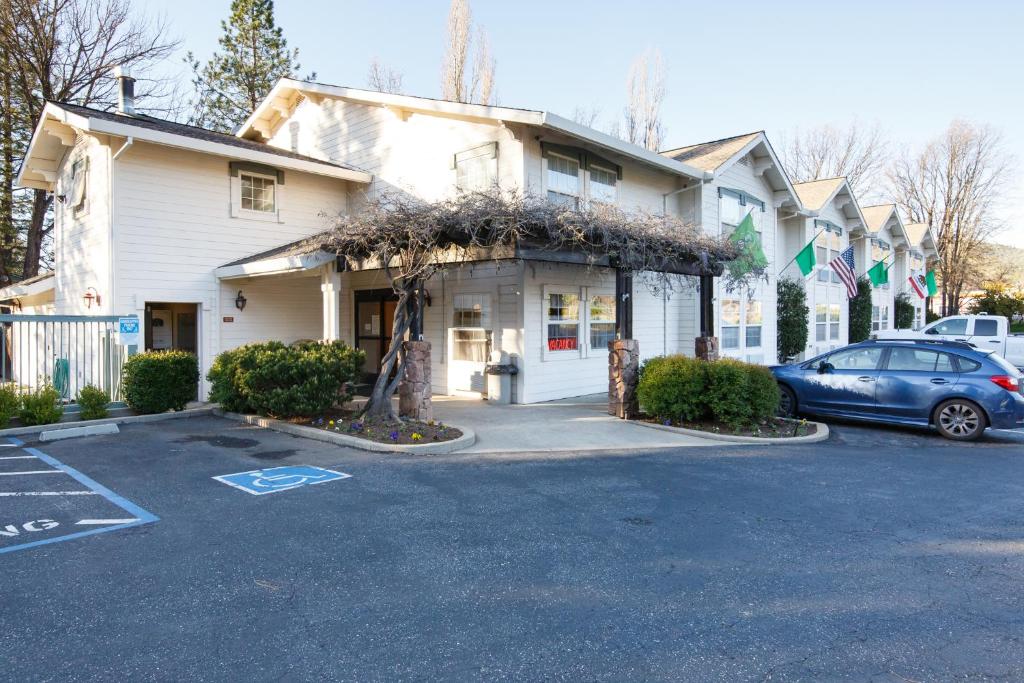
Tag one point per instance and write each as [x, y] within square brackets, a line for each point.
[787, 402]
[960, 420]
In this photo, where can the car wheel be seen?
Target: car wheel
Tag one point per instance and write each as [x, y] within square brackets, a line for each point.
[960, 420]
[787, 402]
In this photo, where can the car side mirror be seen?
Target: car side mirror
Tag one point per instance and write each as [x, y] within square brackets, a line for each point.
[825, 368]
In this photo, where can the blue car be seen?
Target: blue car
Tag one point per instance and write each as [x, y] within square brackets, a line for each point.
[957, 388]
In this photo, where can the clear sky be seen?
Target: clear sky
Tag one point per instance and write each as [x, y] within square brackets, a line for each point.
[733, 67]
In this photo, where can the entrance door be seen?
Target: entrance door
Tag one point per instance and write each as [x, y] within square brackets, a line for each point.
[172, 326]
[375, 315]
[469, 343]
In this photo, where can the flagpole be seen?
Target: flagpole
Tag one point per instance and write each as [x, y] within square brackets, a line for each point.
[790, 262]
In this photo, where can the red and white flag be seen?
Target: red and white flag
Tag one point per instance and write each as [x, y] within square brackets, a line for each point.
[918, 284]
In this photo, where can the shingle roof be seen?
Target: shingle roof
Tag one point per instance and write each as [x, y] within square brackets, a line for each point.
[164, 126]
[815, 193]
[916, 233]
[708, 156]
[877, 216]
[306, 245]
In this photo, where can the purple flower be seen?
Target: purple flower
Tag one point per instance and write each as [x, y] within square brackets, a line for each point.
[667, 423]
[356, 426]
[394, 436]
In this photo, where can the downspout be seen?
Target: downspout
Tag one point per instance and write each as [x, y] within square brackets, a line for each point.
[129, 141]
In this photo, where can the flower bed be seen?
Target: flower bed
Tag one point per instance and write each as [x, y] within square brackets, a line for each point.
[772, 428]
[408, 432]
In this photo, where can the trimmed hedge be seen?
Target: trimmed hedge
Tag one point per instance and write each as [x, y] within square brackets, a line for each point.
[686, 389]
[10, 401]
[158, 381]
[792, 315]
[302, 380]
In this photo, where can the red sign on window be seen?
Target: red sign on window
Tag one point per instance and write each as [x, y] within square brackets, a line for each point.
[563, 344]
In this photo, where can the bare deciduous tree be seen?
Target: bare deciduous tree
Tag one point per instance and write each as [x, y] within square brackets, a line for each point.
[646, 88]
[951, 185]
[460, 81]
[65, 50]
[859, 154]
[383, 78]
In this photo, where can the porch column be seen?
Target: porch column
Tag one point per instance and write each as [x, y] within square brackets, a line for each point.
[706, 345]
[623, 352]
[330, 289]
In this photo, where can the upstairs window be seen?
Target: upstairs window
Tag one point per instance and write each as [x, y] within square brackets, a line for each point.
[476, 170]
[603, 185]
[258, 193]
[563, 181]
[79, 185]
[880, 251]
[827, 246]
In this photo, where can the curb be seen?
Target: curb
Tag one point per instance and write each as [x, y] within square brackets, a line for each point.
[467, 439]
[72, 432]
[820, 435]
[124, 419]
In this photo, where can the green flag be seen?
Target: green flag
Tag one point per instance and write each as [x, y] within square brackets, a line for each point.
[879, 274]
[933, 288]
[805, 259]
[751, 255]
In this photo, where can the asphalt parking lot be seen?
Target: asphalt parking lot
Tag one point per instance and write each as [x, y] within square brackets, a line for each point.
[881, 554]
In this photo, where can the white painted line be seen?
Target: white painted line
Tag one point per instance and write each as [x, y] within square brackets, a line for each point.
[8, 445]
[11, 474]
[49, 493]
[17, 457]
[107, 521]
[71, 432]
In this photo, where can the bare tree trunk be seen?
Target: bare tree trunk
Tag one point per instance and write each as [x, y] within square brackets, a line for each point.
[379, 404]
[36, 233]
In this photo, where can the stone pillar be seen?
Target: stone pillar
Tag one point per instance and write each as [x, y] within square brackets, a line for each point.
[414, 388]
[330, 289]
[706, 348]
[623, 375]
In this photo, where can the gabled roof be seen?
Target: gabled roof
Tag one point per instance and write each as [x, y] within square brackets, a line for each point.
[710, 156]
[292, 257]
[816, 194]
[61, 122]
[717, 156]
[880, 216]
[920, 235]
[278, 105]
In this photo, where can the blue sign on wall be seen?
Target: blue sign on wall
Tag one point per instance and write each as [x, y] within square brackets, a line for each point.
[274, 479]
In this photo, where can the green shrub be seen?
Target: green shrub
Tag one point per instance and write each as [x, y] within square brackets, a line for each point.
[860, 312]
[41, 407]
[10, 402]
[762, 392]
[92, 403]
[903, 315]
[930, 316]
[793, 319]
[672, 387]
[272, 379]
[726, 392]
[158, 381]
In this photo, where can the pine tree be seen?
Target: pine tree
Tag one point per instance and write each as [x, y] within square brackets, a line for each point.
[253, 56]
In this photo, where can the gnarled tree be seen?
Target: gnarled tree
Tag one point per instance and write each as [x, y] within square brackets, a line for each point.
[411, 240]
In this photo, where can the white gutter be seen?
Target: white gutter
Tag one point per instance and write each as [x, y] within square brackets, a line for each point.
[275, 265]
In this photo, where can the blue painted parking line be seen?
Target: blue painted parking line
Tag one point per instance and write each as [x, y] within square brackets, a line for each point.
[136, 516]
[274, 479]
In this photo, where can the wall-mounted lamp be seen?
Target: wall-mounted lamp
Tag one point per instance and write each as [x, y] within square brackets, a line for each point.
[240, 301]
[90, 296]
[61, 198]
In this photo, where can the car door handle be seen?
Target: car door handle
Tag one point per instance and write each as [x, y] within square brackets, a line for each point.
[939, 380]
[866, 378]
[994, 341]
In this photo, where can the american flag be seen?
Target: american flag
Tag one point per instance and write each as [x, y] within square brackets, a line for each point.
[843, 266]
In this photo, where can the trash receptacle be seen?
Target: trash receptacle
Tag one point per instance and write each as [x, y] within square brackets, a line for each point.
[499, 373]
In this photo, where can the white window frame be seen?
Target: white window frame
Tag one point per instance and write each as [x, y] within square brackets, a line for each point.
[589, 193]
[236, 198]
[591, 293]
[487, 323]
[82, 207]
[583, 322]
[580, 177]
[745, 298]
[489, 152]
[885, 252]
[583, 198]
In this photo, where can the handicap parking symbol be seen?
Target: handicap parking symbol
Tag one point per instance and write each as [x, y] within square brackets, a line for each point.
[274, 479]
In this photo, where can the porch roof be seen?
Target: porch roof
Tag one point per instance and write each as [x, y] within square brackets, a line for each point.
[292, 257]
[40, 284]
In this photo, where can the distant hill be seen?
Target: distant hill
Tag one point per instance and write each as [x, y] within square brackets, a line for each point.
[1000, 263]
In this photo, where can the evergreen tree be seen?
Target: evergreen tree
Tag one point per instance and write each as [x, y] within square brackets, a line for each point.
[253, 56]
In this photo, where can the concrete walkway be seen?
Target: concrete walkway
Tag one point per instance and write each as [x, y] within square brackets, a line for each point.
[569, 425]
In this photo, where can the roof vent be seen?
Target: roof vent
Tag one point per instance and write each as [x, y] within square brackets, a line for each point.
[125, 91]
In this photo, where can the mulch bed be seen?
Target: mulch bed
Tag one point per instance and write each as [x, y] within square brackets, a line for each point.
[775, 428]
[406, 432]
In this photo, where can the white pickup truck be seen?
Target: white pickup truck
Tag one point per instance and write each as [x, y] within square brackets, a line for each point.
[987, 332]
